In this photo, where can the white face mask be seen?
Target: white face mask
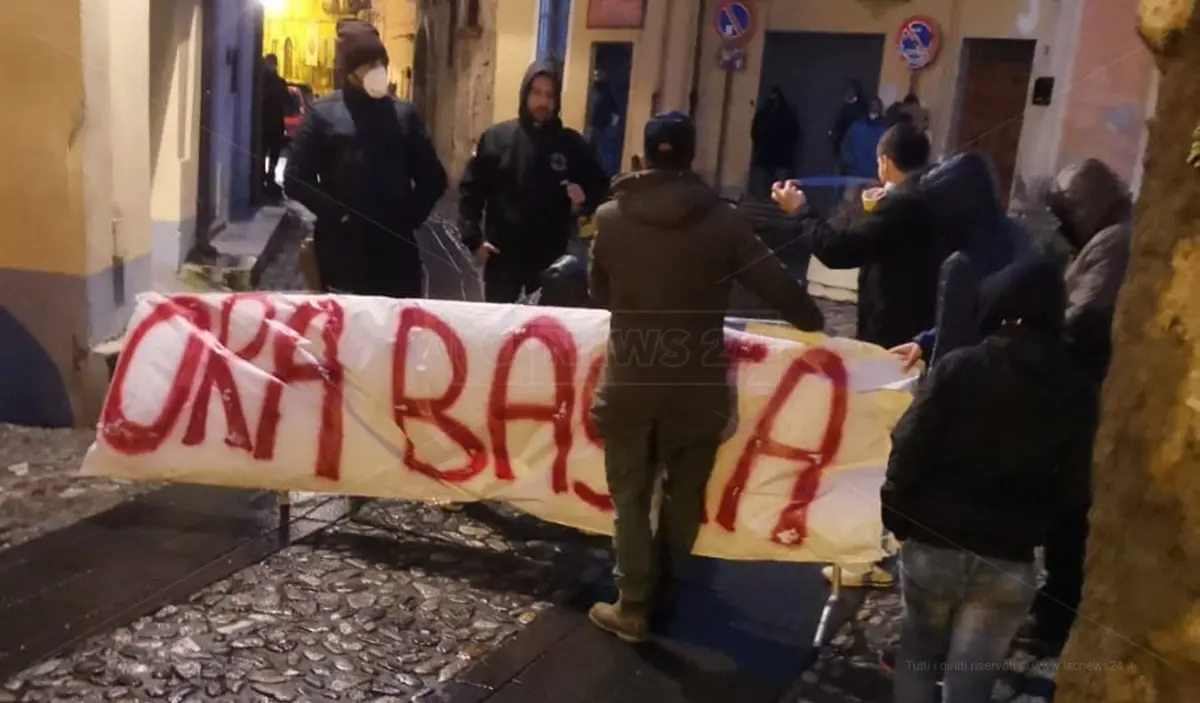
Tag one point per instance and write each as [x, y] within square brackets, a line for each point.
[375, 83]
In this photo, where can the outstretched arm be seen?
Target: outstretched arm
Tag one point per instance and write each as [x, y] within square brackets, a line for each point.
[757, 268]
[853, 240]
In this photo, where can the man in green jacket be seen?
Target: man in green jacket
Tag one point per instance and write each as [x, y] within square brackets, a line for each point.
[666, 252]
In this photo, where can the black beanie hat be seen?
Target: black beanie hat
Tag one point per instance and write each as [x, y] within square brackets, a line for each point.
[670, 141]
[358, 43]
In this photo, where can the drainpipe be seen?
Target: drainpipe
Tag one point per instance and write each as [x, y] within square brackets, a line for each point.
[664, 53]
[726, 99]
[697, 59]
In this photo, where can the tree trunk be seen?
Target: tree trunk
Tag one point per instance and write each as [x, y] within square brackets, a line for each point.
[1137, 639]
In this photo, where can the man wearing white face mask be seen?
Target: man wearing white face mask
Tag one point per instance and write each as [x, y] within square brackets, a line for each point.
[363, 163]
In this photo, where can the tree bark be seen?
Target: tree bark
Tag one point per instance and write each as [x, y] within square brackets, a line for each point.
[1137, 639]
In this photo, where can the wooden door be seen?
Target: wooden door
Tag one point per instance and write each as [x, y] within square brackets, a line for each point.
[994, 89]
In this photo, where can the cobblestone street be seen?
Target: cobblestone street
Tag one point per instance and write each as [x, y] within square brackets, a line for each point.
[384, 607]
[40, 486]
[379, 609]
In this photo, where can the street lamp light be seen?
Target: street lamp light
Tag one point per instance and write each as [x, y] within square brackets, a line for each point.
[273, 7]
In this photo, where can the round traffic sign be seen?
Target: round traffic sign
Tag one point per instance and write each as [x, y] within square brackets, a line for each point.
[733, 21]
[918, 41]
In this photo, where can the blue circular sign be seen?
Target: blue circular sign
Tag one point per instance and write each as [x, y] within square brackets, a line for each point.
[917, 41]
[734, 22]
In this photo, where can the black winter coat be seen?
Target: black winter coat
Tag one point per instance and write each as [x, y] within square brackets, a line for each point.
[512, 193]
[369, 172]
[897, 252]
[996, 445]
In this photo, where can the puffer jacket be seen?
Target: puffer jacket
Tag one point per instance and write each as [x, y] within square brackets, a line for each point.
[1095, 208]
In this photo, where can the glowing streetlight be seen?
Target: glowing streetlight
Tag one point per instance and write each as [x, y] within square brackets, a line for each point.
[273, 7]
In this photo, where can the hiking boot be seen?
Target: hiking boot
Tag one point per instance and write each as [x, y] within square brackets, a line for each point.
[628, 623]
[863, 577]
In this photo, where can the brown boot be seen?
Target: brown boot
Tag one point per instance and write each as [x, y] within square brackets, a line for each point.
[629, 623]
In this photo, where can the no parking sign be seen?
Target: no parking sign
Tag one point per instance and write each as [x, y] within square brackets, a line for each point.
[734, 22]
[918, 41]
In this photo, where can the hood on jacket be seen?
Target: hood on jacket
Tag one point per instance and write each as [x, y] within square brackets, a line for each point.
[660, 198]
[541, 67]
[963, 187]
[1088, 198]
[1031, 291]
[964, 200]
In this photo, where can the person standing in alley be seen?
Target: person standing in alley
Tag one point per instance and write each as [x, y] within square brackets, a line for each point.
[274, 102]
[994, 450]
[775, 135]
[853, 106]
[604, 119]
[363, 163]
[524, 188]
[1095, 210]
[673, 404]
[859, 145]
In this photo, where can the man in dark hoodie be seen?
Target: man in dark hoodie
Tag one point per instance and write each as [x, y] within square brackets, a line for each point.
[853, 107]
[994, 450]
[1095, 208]
[527, 182]
[363, 163]
[665, 390]
[979, 238]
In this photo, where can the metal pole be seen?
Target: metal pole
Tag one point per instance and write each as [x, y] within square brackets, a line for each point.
[835, 595]
[726, 97]
[284, 500]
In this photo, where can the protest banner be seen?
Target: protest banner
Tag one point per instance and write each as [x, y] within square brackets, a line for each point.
[453, 401]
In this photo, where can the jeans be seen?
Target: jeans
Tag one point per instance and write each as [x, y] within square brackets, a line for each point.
[961, 612]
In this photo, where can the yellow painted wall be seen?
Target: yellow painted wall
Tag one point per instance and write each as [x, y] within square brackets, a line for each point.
[312, 33]
[126, 235]
[41, 180]
[516, 43]
[648, 43]
[175, 102]
[396, 21]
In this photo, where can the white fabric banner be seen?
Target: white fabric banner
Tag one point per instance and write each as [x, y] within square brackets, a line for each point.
[453, 401]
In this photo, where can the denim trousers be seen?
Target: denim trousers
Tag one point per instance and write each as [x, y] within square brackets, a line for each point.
[961, 612]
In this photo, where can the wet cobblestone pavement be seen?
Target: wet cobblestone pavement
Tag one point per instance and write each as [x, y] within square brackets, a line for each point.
[848, 671]
[379, 609]
[40, 486]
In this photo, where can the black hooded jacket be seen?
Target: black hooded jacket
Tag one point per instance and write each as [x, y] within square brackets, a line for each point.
[978, 239]
[996, 445]
[513, 194]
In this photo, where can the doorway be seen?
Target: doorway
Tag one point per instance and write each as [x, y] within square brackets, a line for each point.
[615, 61]
[813, 69]
[993, 84]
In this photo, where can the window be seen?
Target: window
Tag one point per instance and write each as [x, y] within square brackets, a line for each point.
[553, 22]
